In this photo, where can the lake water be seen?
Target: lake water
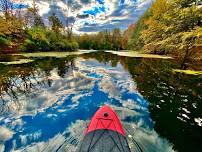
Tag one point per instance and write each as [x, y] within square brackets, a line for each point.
[46, 103]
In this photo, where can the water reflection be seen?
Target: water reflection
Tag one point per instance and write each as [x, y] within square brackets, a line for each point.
[175, 103]
[44, 104]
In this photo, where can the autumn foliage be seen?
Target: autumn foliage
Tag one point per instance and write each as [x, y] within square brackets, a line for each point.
[169, 27]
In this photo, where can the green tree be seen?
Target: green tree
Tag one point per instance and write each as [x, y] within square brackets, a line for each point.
[164, 26]
[103, 40]
[55, 23]
[38, 21]
[116, 39]
[186, 3]
[135, 42]
[32, 17]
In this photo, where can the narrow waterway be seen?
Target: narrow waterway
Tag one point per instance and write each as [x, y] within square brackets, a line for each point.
[45, 104]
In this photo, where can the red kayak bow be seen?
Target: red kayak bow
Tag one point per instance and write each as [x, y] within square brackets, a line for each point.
[105, 118]
[104, 133]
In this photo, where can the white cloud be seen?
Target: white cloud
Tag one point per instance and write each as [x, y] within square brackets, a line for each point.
[2, 147]
[148, 139]
[5, 134]
[50, 145]
[110, 10]
[74, 83]
[78, 82]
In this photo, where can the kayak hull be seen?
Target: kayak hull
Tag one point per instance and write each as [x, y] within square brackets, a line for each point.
[104, 133]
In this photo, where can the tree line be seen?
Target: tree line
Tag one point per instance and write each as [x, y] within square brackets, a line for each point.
[24, 30]
[105, 40]
[169, 27]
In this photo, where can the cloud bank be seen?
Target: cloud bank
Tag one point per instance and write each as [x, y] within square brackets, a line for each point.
[93, 15]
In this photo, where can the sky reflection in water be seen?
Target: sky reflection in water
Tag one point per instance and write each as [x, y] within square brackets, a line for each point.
[58, 108]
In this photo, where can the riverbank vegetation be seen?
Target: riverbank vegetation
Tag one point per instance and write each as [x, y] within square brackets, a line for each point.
[169, 27]
[25, 31]
[104, 40]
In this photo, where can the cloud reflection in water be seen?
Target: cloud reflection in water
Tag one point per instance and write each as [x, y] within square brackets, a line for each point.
[53, 114]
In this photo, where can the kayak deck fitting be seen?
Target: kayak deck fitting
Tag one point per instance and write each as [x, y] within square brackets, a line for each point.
[104, 133]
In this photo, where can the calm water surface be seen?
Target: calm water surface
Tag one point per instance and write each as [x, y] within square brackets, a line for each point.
[46, 104]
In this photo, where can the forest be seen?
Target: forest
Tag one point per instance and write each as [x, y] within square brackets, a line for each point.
[58, 66]
[167, 27]
[25, 31]
[104, 40]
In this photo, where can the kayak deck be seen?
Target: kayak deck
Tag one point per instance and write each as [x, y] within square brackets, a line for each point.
[104, 141]
[104, 133]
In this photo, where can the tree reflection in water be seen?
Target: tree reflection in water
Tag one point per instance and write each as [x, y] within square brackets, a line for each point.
[17, 81]
[63, 88]
[174, 99]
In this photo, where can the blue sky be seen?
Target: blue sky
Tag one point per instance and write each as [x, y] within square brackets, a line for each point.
[93, 15]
